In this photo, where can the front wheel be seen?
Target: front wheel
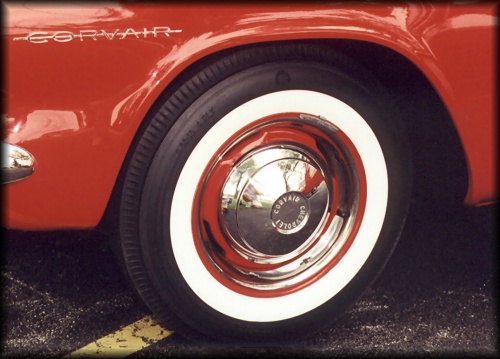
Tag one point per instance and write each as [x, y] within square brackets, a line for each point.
[265, 195]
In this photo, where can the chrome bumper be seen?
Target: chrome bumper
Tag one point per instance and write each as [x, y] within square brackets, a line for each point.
[17, 163]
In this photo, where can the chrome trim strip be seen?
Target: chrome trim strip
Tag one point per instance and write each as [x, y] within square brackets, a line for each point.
[17, 163]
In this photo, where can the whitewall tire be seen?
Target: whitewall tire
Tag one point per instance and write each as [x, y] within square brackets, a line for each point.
[265, 194]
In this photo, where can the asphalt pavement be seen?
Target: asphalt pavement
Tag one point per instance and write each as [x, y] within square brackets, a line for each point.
[436, 297]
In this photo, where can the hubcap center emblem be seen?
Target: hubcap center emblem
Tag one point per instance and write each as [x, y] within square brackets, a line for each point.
[290, 212]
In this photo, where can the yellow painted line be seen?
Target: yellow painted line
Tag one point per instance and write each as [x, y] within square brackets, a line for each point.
[125, 341]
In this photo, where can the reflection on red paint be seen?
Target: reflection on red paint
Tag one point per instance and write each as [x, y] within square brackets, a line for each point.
[44, 123]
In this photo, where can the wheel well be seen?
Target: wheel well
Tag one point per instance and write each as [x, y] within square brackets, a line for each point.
[440, 167]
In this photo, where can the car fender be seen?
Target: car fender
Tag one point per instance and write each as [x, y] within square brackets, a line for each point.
[75, 99]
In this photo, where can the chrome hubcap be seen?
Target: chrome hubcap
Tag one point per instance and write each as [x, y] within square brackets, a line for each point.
[269, 190]
[279, 205]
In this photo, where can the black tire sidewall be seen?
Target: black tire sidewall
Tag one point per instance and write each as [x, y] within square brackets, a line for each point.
[158, 190]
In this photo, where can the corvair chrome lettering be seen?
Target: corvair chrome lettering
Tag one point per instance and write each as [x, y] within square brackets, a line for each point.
[41, 37]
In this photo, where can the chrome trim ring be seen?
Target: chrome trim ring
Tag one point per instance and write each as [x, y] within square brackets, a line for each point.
[278, 206]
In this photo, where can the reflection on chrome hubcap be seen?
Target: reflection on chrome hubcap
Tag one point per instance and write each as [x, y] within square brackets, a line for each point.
[268, 215]
[268, 190]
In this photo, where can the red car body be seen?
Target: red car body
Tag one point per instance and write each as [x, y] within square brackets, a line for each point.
[80, 79]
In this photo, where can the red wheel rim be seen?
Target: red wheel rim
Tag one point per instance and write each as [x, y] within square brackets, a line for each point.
[279, 205]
